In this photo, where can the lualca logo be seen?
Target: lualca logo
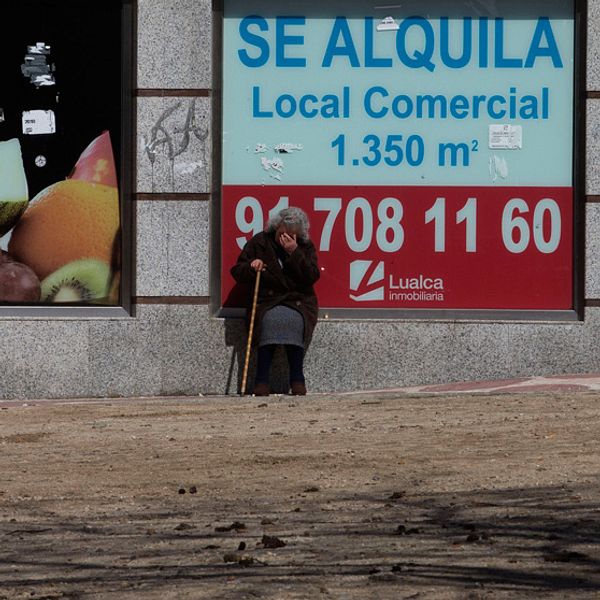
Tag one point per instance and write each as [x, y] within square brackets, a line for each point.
[364, 274]
[367, 280]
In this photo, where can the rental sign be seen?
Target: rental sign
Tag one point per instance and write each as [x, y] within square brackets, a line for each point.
[430, 143]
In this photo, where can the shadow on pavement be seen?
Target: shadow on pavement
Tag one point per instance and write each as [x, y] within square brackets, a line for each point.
[522, 543]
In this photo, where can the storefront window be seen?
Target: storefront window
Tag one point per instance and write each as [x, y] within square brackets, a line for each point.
[61, 153]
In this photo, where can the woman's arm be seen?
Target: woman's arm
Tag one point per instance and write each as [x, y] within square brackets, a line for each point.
[242, 272]
[302, 265]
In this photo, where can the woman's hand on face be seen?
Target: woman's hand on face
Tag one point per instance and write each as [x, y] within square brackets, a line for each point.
[258, 265]
[288, 242]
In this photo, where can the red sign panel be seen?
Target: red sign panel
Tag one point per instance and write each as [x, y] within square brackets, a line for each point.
[426, 247]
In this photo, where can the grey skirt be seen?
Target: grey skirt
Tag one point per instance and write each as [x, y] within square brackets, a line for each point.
[282, 325]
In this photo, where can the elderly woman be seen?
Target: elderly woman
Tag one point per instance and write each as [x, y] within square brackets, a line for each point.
[287, 308]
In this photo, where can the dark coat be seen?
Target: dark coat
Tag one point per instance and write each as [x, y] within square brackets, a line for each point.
[290, 285]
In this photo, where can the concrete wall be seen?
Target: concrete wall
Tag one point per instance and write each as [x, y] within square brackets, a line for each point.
[174, 345]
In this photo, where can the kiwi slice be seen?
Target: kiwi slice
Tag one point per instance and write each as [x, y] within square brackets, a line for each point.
[83, 280]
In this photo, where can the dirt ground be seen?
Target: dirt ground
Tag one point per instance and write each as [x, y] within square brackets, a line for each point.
[380, 495]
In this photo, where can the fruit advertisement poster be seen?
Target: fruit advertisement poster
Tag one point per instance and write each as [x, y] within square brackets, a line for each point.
[60, 135]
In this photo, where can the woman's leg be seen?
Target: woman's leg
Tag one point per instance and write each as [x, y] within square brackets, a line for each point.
[263, 366]
[295, 356]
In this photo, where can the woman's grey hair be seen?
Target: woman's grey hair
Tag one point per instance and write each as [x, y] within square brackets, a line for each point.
[293, 218]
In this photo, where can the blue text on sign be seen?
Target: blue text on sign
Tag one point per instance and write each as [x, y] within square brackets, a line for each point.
[434, 46]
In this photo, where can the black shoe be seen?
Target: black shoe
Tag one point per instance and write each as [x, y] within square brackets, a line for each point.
[298, 388]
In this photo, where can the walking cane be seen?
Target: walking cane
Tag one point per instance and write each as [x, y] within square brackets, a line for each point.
[250, 331]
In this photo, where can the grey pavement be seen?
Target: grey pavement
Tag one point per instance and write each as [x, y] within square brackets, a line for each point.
[543, 383]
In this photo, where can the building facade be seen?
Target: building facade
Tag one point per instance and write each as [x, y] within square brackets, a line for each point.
[170, 330]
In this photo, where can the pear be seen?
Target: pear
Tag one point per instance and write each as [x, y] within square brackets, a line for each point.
[13, 185]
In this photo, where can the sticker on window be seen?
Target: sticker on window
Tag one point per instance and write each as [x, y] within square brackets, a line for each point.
[39, 122]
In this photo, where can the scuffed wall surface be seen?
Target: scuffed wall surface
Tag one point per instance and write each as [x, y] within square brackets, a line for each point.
[170, 350]
[174, 145]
